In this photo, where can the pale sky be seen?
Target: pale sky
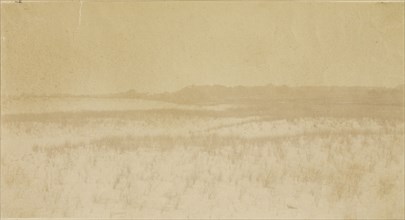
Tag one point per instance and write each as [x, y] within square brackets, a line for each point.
[102, 47]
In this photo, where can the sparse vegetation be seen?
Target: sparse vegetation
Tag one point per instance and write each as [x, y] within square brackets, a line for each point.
[197, 164]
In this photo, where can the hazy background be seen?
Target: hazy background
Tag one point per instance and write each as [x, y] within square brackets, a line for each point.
[89, 47]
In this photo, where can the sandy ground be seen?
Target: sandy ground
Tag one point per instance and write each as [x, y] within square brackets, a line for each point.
[199, 166]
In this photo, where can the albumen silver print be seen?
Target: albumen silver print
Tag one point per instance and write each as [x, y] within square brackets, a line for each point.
[120, 109]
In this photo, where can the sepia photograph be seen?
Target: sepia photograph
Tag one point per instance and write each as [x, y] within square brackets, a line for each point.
[137, 109]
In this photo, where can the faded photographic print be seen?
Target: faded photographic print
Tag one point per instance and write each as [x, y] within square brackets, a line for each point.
[121, 109]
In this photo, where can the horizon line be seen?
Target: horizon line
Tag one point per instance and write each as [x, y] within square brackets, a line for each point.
[195, 85]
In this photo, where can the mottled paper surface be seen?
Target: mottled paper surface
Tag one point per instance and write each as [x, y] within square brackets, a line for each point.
[194, 109]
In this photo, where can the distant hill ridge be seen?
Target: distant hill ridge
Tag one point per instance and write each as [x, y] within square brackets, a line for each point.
[257, 95]
[218, 94]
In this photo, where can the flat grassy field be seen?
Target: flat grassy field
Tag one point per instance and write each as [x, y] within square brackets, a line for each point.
[175, 163]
